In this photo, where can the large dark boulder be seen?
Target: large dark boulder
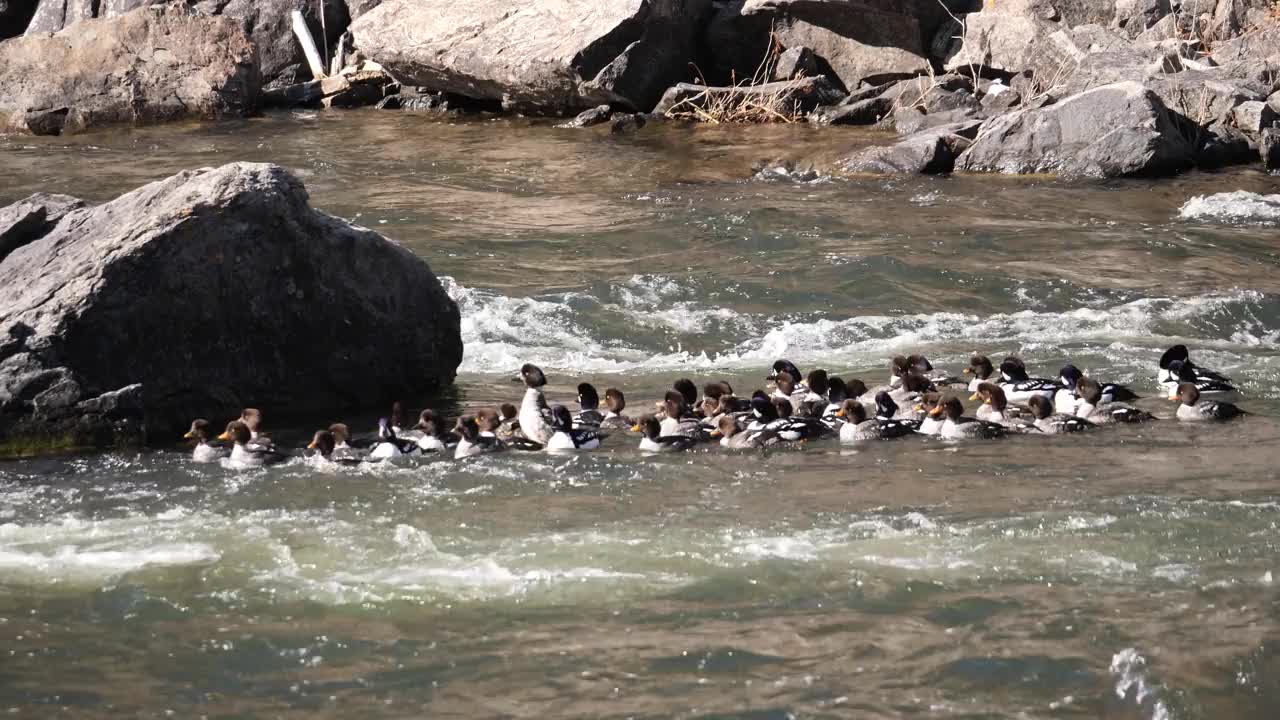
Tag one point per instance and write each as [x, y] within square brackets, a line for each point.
[1112, 131]
[204, 293]
[150, 65]
[550, 56]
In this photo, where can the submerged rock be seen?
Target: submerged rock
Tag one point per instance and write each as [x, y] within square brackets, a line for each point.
[147, 66]
[1111, 131]
[1233, 207]
[931, 152]
[551, 56]
[204, 293]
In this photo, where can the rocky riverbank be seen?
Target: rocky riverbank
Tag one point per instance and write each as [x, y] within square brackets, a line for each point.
[198, 295]
[1095, 88]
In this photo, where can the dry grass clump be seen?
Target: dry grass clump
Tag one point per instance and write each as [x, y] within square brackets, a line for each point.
[743, 102]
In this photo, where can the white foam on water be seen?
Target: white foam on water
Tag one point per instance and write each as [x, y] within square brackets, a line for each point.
[1239, 207]
[1134, 683]
[92, 564]
[500, 333]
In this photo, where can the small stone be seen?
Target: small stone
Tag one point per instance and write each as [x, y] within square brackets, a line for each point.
[595, 116]
[627, 122]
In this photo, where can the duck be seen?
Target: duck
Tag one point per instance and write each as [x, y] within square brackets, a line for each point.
[981, 369]
[1017, 386]
[817, 386]
[252, 418]
[653, 441]
[428, 433]
[910, 387]
[766, 417]
[1064, 401]
[389, 446]
[856, 426]
[1171, 378]
[564, 438]
[734, 436]
[534, 414]
[837, 393]
[1051, 423]
[676, 417]
[472, 441]
[325, 443]
[616, 403]
[489, 424]
[930, 422]
[900, 366]
[1192, 409]
[247, 451]
[1091, 407]
[1179, 372]
[344, 450]
[688, 391]
[955, 426]
[508, 422]
[996, 408]
[888, 411]
[786, 388]
[589, 415]
[205, 451]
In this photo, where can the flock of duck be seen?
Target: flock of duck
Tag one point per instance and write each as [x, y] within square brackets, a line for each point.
[916, 400]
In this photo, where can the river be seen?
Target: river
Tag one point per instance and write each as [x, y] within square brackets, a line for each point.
[1126, 573]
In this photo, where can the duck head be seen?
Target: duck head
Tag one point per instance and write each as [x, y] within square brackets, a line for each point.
[1089, 390]
[1188, 394]
[980, 367]
[852, 411]
[993, 395]
[785, 384]
[1177, 353]
[323, 442]
[508, 412]
[199, 431]
[885, 406]
[615, 401]
[341, 434]
[532, 376]
[687, 390]
[782, 407]
[1013, 369]
[649, 427]
[588, 398]
[252, 418]
[836, 390]
[428, 423]
[487, 420]
[468, 429]
[819, 382]
[1041, 406]
[762, 408]
[237, 431]
[726, 427]
[561, 418]
[785, 367]
[1070, 376]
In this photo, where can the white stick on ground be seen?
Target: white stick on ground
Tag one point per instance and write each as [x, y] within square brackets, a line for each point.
[308, 46]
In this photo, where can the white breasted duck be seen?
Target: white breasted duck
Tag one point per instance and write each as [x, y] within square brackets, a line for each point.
[902, 365]
[955, 426]
[1064, 401]
[1192, 409]
[1170, 377]
[247, 451]
[205, 451]
[930, 422]
[589, 415]
[1018, 387]
[1181, 373]
[344, 449]
[473, 441]
[565, 438]
[653, 441]
[856, 426]
[1051, 423]
[427, 433]
[252, 419]
[980, 370]
[390, 446]
[996, 408]
[677, 418]
[613, 418]
[1091, 407]
[535, 417]
[325, 443]
[734, 436]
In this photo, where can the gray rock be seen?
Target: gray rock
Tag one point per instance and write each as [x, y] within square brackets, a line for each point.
[595, 116]
[913, 120]
[627, 122]
[931, 152]
[1135, 17]
[1270, 148]
[30, 219]
[1111, 131]
[795, 97]
[1254, 116]
[1274, 101]
[48, 18]
[204, 293]
[999, 98]
[860, 41]
[270, 25]
[551, 56]
[868, 111]
[359, 7]
[147, 66]
[796, 62]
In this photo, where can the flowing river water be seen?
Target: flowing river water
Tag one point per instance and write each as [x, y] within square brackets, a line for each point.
[1128, 573]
